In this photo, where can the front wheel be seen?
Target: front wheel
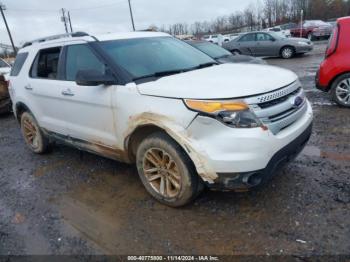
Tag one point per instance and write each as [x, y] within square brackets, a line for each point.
[287, 52]
[166, 171]
[341, 90]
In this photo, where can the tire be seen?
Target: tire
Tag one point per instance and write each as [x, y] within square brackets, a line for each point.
[340, 90]
[287, 52]
[236, 52]
[171, 176]
[32, 134]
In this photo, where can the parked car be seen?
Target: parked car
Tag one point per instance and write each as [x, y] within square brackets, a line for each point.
[334, 73]
[223, 56]
[215, 39]
[5, 101]
[150, 99]
[268, 44]
[278, 30]
[312, 29]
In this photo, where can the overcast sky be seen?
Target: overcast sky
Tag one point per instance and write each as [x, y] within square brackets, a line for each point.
[30, 19]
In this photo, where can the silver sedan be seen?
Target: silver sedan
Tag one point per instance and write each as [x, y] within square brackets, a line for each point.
[268, 44]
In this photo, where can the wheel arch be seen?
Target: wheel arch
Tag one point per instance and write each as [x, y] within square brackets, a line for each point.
[331, 83]
[20, 108]
[179, 135]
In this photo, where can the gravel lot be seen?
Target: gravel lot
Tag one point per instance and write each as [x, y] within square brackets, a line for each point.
[70, 202]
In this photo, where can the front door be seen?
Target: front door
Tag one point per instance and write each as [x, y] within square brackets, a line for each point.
[89, 108]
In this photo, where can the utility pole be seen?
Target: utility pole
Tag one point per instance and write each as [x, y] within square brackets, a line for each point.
[70, 23]
[64, 19]
[301, 23]
[2, 8]
[132, 17]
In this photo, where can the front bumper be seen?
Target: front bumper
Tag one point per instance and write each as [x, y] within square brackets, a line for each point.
[234, 153]
[241, 182]
[304, 49]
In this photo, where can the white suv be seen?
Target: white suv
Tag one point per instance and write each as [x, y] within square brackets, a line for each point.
[150, 99]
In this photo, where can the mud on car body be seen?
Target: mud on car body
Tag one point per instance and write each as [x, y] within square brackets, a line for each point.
[153, 100]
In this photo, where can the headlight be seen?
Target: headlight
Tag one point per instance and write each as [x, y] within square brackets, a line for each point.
[235, 113]
[302, 43]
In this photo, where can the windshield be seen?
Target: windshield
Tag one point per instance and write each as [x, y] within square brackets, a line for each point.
[212, 50]
[143, 57]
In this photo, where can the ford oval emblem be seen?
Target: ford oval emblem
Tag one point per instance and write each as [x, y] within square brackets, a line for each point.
[298, 101]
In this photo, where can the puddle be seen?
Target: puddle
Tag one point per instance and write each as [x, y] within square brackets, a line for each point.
[43, 170]
[311, 151]
[314, 151]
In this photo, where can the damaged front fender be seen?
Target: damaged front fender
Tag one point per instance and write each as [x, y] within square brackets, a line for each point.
[180, 135]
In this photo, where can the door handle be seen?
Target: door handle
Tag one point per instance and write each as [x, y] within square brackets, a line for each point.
[28, 87]
[67, 92]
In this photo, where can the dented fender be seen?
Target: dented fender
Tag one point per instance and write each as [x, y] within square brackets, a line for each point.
[180, 135]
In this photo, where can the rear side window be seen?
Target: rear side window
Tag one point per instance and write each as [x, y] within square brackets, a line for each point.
[20, 59]
[247, 38]
[81, 57]
[46, 64]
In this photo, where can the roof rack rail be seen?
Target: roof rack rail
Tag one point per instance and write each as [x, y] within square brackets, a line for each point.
[54, 37]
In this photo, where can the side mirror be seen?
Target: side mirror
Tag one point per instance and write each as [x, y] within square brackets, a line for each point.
[273, 39]
[94, 78]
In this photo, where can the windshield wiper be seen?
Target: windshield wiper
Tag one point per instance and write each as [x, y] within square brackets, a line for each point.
[205, 65]
[174, 72]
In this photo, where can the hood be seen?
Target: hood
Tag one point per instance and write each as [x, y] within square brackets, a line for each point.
[220, 82]
[241, 59]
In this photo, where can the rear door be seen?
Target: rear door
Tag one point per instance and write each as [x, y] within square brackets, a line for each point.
[247, 44]
[44, 90]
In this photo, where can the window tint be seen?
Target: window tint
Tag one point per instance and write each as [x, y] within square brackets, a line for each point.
[263, 37]
[247, 38]
[80, 57]
[20, 59]
[46, 63]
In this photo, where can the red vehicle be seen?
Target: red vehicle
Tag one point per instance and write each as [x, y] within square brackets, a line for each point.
[312, 29]
[334, 73]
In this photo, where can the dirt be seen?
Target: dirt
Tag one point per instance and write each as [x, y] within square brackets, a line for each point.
[71, 202]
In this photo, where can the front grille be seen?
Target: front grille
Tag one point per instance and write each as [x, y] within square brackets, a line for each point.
[279, 100]
[278, 110]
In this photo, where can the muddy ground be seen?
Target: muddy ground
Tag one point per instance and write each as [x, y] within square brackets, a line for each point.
[69, 202]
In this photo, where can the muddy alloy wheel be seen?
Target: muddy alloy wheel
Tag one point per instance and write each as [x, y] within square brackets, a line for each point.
[287, 52]
[161, 172]
[166, 171]
[341, 90]
[32, 134]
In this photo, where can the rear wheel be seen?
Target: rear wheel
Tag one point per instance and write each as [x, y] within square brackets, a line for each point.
[166, 171]
[341, 90]
[33, 136]
[287, 52]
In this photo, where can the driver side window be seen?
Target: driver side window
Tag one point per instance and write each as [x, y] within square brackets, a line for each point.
[81, 57]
